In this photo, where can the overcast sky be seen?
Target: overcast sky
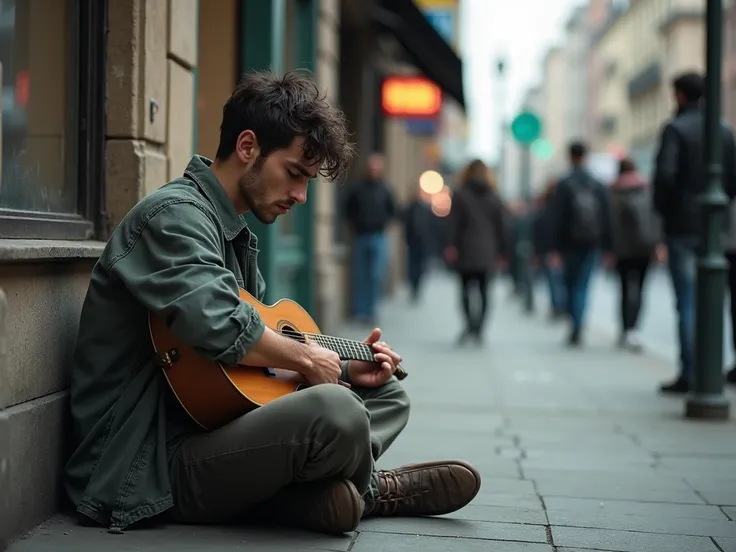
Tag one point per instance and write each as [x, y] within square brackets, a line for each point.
[519, 29]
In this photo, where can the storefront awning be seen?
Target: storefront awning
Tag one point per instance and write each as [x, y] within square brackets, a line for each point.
[427, 49]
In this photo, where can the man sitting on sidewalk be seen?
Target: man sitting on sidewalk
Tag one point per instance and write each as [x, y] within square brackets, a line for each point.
[307, 459]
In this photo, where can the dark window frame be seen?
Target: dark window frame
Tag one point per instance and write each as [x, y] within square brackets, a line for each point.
[90, 50]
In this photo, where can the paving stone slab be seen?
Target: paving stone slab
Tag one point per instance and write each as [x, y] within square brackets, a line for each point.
[62, 535]
[584, 464]
[653, 481]
[624, 541]
[491, 486]
[505, 514]
[588, 460]
[373, 542]
[614, 490]
[710, 482]
[487, 496]
[720, 498]
[727, 544]
[716, 445]
[456, 528]
[618, 521]
[717, 467]
[628, 507]
[730, 511]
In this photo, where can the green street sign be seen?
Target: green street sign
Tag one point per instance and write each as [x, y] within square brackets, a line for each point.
[526, 127]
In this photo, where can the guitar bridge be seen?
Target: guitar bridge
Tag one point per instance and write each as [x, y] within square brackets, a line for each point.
[167, 359]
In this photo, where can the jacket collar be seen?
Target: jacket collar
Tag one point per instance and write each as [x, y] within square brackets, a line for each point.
[199, 171]
[689, 107]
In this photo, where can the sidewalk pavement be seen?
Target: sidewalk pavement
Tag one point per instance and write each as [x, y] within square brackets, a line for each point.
[577, 451]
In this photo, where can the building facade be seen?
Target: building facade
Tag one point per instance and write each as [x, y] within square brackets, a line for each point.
[575, 52]
[105, 101]
[642, 48]
[554, 108]
[597, 13]
[615, 55]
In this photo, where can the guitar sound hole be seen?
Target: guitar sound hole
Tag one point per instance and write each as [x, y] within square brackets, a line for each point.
[301, 386]
[289, 331]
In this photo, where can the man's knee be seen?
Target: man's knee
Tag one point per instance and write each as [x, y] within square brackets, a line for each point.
[340, 411]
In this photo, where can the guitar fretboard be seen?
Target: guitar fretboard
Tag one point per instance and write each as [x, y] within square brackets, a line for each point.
[346, 348]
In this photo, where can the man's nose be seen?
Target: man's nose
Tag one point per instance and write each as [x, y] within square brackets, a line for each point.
[299, 195]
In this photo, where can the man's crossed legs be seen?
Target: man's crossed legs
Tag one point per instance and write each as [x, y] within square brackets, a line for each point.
[307, 460]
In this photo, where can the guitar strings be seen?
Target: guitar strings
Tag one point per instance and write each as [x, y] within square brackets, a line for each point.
[353, 346]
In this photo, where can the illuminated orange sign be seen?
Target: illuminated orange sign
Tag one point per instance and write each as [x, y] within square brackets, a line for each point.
[410, 97]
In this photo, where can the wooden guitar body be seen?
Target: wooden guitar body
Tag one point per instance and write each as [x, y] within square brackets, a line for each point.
[213, 394]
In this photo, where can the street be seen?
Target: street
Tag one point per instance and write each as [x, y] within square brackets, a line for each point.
[577, 450]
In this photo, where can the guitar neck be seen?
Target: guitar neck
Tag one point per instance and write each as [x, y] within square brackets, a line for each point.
[346, 348]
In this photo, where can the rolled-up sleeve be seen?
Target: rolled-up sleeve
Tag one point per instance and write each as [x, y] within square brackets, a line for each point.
[174, 266]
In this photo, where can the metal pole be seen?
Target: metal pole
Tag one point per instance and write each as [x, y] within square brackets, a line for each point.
[707, 399]
[526, 248]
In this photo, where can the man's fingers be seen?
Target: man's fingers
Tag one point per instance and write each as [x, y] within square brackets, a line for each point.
[386, 362]
[383, 348]
[374, 336]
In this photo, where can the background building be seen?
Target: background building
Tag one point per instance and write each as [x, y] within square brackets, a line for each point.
[623, 54]
[103, 102]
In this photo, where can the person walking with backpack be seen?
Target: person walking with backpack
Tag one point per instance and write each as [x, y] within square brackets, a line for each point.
[579, 229]
[636, 238]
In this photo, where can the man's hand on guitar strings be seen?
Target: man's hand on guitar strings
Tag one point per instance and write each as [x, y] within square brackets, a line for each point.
[375, 374]
[325, 365]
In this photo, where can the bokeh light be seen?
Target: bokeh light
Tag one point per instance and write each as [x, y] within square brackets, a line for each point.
[441, 204]
[431, 182]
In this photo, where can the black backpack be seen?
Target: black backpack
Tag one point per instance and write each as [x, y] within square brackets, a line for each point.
[585, 212]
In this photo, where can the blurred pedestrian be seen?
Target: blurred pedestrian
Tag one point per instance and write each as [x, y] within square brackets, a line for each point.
[477, 238]
[553, 273]
[369, 208]
[580, 230]
[636, 238]
[678, 181]
[418, 232]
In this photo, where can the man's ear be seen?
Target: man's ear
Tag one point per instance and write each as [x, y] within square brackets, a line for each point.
[247, 147]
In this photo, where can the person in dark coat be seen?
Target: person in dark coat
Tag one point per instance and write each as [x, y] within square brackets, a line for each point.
[478, 236]
[417, 217]
[636, 240]
[553, 273]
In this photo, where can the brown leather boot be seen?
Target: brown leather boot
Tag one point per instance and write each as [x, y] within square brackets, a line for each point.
[332, 506]
[426, 489]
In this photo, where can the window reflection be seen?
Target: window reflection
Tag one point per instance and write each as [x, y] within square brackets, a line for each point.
[38, 110]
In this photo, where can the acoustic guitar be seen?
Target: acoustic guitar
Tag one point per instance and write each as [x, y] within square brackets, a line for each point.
[213, 394]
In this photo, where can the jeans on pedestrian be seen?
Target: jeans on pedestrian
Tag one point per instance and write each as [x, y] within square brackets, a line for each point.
[370, 256]
[632, 273]
[416, 262]
[682, 259]
[578, 269]
[556, 284]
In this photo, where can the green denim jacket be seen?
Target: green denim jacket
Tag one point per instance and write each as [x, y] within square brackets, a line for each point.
[181, 253]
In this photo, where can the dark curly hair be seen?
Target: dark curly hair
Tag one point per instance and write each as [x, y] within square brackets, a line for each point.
[279, 109]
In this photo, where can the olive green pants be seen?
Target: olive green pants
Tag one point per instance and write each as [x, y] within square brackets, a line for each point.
[326, 431]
